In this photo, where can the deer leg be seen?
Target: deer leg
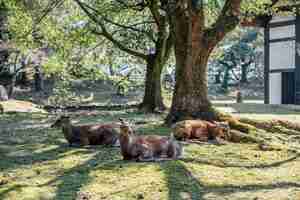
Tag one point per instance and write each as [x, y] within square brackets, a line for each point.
[146, 155]
[84, 141]
[116, 143]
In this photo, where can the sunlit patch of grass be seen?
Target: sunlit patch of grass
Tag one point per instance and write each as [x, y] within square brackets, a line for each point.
[20, 106]
[237, 154]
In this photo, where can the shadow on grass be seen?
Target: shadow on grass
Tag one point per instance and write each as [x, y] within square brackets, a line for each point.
[70, 183]
[181, 182]
[13, 188]
[8, 162]
[183, 185]
[256, 166]
[230, 189]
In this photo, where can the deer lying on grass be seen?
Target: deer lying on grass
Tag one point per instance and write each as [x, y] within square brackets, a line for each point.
[87, 134]
[147, 148]
[200, 130]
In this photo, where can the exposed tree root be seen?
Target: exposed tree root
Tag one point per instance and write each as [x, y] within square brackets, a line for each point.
[235, 123]
[240, 137]
[222, 164]
[274, 126]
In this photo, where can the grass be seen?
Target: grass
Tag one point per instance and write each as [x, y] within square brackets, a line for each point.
[37, 164]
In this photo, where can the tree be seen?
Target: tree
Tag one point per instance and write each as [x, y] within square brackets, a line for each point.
[236, 58]
[149, 40]
[195, 41]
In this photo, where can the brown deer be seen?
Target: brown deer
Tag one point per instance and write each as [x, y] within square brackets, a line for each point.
[147, 148]
[87, 134]
[200, 130]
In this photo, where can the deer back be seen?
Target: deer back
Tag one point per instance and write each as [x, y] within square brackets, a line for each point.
[99, 134]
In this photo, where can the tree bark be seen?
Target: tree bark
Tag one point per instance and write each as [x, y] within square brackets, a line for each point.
[153, 97]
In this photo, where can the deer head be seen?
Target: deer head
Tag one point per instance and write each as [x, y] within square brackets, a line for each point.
[125, 128]
[222, 130]
[61, 121]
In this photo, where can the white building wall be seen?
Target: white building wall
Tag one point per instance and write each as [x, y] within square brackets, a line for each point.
[282, 55]
[282, 18]
[275, 88]
[282, 32]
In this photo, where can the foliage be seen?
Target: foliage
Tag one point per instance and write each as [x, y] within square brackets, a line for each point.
[62, 95]
[235, 60]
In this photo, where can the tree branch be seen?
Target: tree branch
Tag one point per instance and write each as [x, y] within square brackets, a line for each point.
[226, 22]
[129, 28]
[105, 33]
[251, 19]
[154, 9]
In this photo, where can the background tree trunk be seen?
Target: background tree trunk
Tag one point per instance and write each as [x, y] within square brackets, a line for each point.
[244, 78]
[226, 79]
[218, 78]
[153, 96]
[3, 93]
[38, 79]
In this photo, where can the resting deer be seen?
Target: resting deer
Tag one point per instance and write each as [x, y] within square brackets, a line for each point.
[200, 130]
[87, 134]
[147, 148]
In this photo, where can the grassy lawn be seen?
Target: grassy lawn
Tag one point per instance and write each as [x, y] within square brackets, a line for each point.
[37, 164]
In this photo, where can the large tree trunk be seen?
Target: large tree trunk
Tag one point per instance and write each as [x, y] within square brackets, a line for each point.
[153, 97]
[190, 99]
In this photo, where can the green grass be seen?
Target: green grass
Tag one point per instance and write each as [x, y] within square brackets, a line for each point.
[37, 164]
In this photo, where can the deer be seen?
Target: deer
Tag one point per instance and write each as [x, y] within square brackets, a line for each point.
[84, 135]
[147, 148]
[201, 130]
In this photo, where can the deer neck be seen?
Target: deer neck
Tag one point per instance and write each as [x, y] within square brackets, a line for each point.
[68, 131]
[126, 142]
